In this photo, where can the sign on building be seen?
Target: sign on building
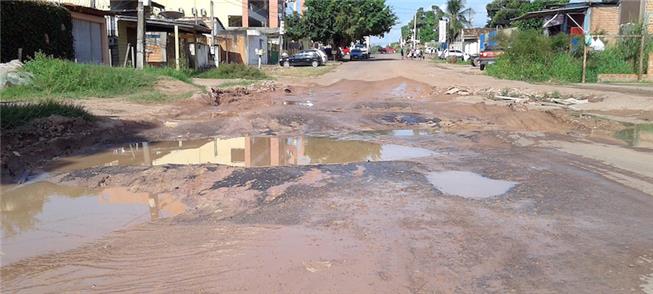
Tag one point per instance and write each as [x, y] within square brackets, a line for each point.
[442, 31]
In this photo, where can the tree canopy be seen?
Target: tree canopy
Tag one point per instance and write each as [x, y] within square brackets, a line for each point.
[427, 25]
[459, 17]
[341, 22]
[501, 12]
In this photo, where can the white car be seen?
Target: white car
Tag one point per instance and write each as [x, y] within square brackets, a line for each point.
[453, 52]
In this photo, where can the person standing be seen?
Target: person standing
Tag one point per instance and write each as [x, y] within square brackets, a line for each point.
[401, 50]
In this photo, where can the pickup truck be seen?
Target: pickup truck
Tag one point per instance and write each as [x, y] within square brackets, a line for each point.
[488, 56]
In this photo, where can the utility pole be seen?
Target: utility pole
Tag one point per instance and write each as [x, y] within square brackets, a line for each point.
[140, 36]
[216, 52]
[415, 31]
[642, 43]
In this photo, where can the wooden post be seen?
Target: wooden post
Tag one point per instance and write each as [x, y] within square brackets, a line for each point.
[584, 61]
[642, 44]
[124, 64]
[177, 47]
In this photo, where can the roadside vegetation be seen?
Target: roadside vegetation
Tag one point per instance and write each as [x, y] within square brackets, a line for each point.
[299, 71]
[13, 114]
[58, 78]
[534, 57]
[233, 71]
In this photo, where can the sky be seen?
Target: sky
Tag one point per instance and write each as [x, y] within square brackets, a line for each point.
[405, 10]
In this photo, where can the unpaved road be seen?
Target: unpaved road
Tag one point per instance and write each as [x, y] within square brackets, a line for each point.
[380, 183]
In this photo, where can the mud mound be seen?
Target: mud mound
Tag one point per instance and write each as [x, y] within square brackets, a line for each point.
[170, 86]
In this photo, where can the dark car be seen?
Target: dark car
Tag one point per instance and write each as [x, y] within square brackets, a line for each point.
[357, 54]
[488, 56]
[306, 57]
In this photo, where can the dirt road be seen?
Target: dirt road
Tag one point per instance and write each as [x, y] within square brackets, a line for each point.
[368, 179]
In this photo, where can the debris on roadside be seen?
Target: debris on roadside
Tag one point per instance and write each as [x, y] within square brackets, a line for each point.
[12, 74]
[458, 91]
[570, 101]
[518, 106]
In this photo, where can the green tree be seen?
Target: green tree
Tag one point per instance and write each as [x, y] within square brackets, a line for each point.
[458, 17]
[502, 12]
[294, 27]
[427, 24]
[340, 22]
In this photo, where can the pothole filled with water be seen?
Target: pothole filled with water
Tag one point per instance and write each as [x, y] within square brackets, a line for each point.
[40, 217]
[244, 152]
[468, 184]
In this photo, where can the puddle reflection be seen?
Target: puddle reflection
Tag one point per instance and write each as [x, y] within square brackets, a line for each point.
[40, 217]
[637, 136]
[246, 152]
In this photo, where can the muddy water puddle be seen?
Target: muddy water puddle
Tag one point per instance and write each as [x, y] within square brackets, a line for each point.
[41, 217]
[244, 152]
[468, 184]
[640, 136]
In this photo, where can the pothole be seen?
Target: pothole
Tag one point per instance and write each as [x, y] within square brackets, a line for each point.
[468, 184]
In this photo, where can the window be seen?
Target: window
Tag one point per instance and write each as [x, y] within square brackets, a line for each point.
[237, 155]
[235, 20]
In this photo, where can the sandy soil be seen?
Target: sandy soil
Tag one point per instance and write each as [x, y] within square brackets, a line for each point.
[578, 219]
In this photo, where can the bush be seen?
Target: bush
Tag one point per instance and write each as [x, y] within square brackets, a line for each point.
[35, 26]
[534, 57]
[184, 75]
[610, 61]
[233, 71]
[60, 78]
[13, 115]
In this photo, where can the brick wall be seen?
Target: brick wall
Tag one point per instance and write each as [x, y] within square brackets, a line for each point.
[245, 13]
[274, 13]
[605, 19]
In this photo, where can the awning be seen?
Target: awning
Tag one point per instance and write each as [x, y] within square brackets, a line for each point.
[165, 25]
[552, 12]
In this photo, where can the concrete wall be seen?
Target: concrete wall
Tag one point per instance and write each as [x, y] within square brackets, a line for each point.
[221, 9]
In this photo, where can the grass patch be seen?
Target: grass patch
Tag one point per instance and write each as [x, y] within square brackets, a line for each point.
[61, 78]
[233, 71]
[157, 97]
[184, 75]
[13, 115]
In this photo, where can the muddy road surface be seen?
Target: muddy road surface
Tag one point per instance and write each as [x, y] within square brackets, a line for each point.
[407, 177]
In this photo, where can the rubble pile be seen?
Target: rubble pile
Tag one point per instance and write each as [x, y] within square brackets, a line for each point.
[12, 74]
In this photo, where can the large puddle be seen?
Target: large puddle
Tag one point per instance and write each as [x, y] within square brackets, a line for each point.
[640, 136]
[468, 185]
[244, 152]
[40, 217]
[63, 217]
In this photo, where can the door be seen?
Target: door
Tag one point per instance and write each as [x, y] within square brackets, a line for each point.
[87, 41]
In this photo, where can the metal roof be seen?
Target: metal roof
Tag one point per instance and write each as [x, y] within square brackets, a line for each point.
[168, 25]
[548, 12]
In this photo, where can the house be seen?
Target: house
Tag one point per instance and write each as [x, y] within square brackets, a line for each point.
[604, 17]
[469, 40]
[90, 38]
[249, 25]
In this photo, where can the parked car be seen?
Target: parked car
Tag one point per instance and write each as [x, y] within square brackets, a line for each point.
[447, 53]
[489, 56]
[363, 48]
[357, 53]
[305, 57]
[323, 54]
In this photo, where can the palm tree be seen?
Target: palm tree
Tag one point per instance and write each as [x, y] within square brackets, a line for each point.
[459, 17]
